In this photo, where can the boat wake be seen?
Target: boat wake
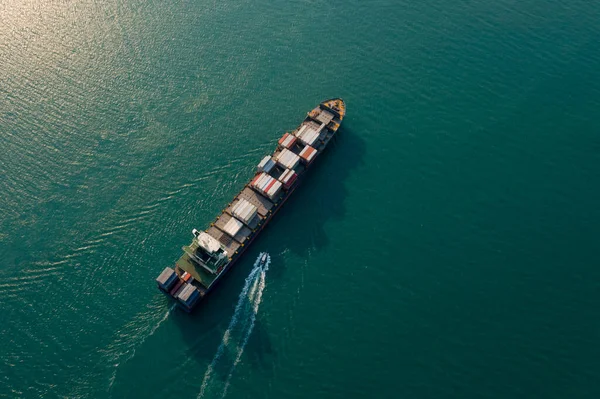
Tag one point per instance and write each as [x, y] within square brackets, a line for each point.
[229, 353]
[134, 341]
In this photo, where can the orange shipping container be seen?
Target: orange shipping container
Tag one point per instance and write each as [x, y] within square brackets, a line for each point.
[308, 153]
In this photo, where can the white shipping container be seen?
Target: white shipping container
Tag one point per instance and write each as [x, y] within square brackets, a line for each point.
[288, 159]
[274, 190]
[260, 184]
[233, 226]
[301, 130]
[239, 205]
[255, 184]
[250, 213]
[244, 210]
[295, 162]
[263, 162]
[241, 208]
[301, 137]
[260, 180]
[310, 137]
[283, 175]
[304, 132]
[286, 176]
[289, 140]
[266, 183]
[265, 178]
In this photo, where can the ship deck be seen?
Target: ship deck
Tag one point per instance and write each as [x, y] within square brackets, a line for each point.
[202, 276]
[232, 244]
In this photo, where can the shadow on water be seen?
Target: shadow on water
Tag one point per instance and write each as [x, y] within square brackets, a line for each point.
[299, 227]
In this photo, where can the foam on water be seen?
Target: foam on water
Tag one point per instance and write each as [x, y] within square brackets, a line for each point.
[238, 331]
[256, 303]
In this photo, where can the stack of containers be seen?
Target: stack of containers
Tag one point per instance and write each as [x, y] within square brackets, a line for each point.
[266, 164]
[288, 178]
[308, 134]
[186, 276]
[287, 140]
[259, 180]
[244, 211]
[232, 227]
[274, 189]
[268, 185]
[287, 159]
[188, 295]
[167, 279]
[308, 153]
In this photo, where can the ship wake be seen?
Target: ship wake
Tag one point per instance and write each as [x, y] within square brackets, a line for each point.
[230, 350]
[131, 338]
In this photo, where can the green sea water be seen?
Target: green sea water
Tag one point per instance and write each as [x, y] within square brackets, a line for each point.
[446, 245]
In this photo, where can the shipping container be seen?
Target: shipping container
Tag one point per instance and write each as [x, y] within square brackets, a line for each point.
[308, 153]
[167, 278]
[274, 190]
[287, 140]
[260, 180]
[176, 288]
[264, 179]
[232, 227]
[265, 183]
[244, 211]
[291, 180]
[188, 294]
[287, 178]
[309, 133]
[283, 176]
[287, 159]
[255, 180]
[270, 185]
[301, 130]
[266, 164]
[262, 163]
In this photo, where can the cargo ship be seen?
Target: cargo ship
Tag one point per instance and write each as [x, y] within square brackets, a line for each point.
[214, 251]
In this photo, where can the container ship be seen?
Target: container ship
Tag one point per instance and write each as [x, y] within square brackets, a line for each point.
[214, 251]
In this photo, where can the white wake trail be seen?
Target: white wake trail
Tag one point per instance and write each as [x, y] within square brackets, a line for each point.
[250, 295]
[255, 305]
